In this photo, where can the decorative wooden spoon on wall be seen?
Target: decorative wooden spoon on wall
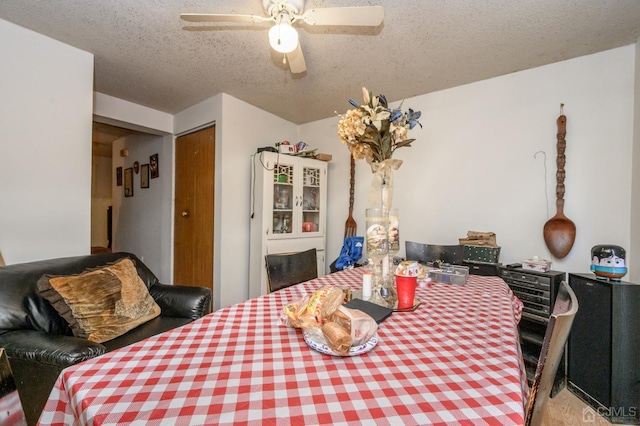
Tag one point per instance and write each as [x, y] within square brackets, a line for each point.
[351, 227]
[560, 231]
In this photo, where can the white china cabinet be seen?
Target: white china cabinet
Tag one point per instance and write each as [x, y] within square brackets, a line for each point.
[288, 199]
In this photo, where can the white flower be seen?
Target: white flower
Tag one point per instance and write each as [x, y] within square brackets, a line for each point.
[365, 95]
[400, 132]
[375, 115]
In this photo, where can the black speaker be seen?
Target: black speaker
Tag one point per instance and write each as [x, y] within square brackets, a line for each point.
[604, 347]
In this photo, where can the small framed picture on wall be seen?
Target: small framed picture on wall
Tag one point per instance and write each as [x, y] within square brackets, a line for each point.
[153, 164]
[144, 176]
[128, 182]
[118, 176]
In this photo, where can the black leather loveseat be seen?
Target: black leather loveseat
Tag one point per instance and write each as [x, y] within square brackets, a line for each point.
[40, 343]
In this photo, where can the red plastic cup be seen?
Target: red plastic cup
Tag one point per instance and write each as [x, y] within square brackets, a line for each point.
[406, 287]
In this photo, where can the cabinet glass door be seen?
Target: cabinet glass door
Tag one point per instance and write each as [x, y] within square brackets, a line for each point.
[283, 198]
[311, 185]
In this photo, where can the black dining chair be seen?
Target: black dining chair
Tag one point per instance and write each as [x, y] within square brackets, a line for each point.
[555, 338]
[429, 253]
[287, 269]
[12, 414]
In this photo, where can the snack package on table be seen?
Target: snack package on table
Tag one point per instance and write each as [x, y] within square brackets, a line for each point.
[324, 302]
[312, 310]
[410, 268]
[323, 317]
[295, 314]
[360, 325]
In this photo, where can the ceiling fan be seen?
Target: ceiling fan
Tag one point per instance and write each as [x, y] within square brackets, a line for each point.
[283, 37]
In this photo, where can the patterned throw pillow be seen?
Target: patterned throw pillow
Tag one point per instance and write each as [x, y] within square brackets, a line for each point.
[103, 303]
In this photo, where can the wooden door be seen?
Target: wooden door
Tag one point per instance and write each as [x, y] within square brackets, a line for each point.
[194, 207]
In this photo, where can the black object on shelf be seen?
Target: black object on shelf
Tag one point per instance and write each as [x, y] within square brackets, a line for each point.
[483, 268]
[267, 148]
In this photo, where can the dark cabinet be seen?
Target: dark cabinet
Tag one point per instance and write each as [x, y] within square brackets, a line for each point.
[537, 291]
[482, 268]
[604, 347]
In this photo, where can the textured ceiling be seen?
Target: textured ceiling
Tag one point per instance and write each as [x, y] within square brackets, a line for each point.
[146, 54]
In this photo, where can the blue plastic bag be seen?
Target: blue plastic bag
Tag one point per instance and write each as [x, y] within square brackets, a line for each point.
[351, 252]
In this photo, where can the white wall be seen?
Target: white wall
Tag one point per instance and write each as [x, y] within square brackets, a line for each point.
[46, 105]
[142, 223]
[472, 166]
[240, 129]
[120, 112]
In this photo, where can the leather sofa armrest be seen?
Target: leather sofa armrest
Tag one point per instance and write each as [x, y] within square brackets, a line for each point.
[58, 350]
[182, 301]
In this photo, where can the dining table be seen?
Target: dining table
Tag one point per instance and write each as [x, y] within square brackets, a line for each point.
[454, 359]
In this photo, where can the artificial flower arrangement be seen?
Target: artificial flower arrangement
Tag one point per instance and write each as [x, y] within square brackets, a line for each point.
[374, 131]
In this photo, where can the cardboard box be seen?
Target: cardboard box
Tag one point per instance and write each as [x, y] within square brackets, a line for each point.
[534, 264]
[324, 157]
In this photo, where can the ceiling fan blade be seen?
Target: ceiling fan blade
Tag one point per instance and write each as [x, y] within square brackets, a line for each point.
[370, 16]
[221, 17]
[297, 65]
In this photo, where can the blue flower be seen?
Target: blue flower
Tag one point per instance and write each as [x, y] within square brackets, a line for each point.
[412, 118]
[395, 115]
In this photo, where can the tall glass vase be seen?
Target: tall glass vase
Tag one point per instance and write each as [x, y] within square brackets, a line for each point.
[385, 179]
[377, 245]
[381, 197]
[388, 291]
[381, 194]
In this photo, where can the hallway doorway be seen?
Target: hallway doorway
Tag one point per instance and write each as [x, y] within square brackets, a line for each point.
[102, 138]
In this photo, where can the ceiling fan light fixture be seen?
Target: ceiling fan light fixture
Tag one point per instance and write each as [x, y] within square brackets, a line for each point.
[283, 14]
[283, 37]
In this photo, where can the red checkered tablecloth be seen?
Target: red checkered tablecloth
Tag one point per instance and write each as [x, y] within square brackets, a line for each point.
[455, 359]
